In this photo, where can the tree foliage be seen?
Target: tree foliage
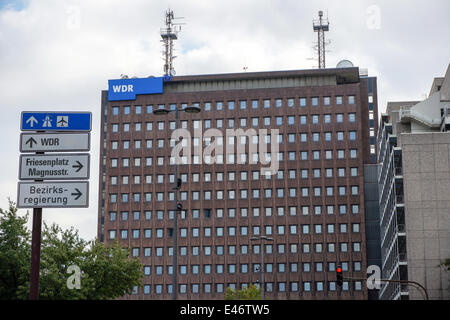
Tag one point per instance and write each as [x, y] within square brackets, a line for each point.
[250, 293]
[107, 272]
[15, 252]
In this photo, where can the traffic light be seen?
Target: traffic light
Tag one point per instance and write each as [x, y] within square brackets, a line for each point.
[339, 276]
[178, 186]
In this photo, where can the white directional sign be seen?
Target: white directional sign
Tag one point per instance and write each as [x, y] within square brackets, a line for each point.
[73, 194]
[63, 166]
[52, 142]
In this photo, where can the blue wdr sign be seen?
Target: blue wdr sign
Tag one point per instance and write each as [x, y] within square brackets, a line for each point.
[127, 89]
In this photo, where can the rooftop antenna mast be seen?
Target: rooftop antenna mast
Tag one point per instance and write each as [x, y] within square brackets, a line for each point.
[320, 26]
[168, 35]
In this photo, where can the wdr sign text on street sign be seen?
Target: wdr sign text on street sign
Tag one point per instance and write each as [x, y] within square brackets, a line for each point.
[53, 194]
[54, 167]
[55, 121]
[56, 141]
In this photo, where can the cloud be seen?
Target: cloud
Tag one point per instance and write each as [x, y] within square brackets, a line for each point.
[58, 55]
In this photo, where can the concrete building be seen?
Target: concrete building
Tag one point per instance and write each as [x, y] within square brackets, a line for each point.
[414, 186]
[313, 207]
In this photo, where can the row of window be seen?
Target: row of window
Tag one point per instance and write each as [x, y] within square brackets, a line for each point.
[244, 268]
[231, 212]
[243, 175]
[243, 104]
[244, 249]
[243, 140]
[308, 286]
[243, 194]
[243, 122]
[232, 231]
[242, 159]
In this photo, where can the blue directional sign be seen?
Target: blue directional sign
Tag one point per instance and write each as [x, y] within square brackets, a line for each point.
[55, 121]
[127, 89]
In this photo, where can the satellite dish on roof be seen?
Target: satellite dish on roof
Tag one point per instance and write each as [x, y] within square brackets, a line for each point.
[344, 64]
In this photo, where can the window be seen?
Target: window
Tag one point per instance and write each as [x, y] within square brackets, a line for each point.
[315, 119]
[303, 137]
[306, 286]
[351, 99]
[315, 101]
[318, 228]
[316, 136]
[352, 117]
[112, 234]
[304, 155]
[329, 191]
[305, 229]
[302, 102]
[303, 120]
[316, 155]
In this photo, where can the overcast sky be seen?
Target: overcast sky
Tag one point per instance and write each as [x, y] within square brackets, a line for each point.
[58, 55]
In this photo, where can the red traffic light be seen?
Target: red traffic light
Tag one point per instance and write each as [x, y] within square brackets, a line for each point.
[339, 276]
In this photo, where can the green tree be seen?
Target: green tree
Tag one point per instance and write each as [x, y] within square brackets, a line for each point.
[15, 252]
[250, 293]
[106, 272]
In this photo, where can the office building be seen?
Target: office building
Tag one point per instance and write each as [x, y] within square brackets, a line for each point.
[313, 207]
[414, 185]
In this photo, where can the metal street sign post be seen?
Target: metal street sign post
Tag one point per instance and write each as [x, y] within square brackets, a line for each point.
[53, 194]
[55, 121]
[54, 142]
[70, 166]
[58, 132]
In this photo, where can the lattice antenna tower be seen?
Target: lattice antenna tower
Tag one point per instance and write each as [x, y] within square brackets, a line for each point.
[320, 26]
[168, 35]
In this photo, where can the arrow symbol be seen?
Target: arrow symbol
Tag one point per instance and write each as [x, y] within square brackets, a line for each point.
[32, 120]
[78, 194]
[31, 141]
[79, 166]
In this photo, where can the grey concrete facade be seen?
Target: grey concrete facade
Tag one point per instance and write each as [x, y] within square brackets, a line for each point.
[426, 179]
[414, 195]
